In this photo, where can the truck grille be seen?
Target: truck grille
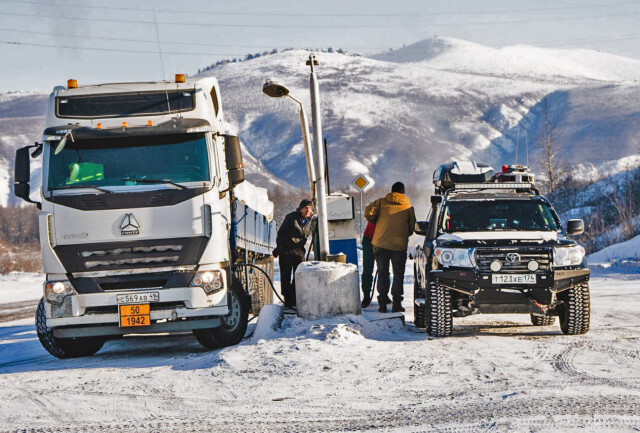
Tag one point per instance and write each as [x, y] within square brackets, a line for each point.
[131, 254]
[485, 256]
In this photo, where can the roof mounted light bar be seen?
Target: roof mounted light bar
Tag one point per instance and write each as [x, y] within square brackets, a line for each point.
[503, 185]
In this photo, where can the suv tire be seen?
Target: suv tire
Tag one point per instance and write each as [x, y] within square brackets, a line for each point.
[419, 310]
[233, 326]
[439, 316]
[575, 310]
[538, 320]
[64, 347]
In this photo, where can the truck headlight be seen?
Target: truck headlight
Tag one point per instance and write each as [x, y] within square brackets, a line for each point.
[56, 291]
[210, 281]
[460, 257]
[568, 256]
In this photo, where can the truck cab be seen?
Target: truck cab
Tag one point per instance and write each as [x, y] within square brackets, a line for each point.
[138, 224]
[494, 245]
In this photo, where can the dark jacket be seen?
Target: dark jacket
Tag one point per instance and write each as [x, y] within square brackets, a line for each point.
[292, 234]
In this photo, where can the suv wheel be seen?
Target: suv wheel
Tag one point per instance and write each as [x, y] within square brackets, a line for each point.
[538, 320]
[233, 326]
[575, 310]
[419, 310]
[438, 306]
[64, 347]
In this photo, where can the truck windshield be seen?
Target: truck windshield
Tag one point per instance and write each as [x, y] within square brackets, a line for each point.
[490, 215]
[120, 161]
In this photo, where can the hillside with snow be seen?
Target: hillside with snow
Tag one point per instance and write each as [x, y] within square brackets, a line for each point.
[399, 114]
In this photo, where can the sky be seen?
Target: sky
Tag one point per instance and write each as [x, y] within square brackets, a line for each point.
[43, 43]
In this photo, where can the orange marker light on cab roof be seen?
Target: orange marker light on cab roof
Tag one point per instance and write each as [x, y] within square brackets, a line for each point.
[180, 78]
[124, 124]
[150, 123]
[99, 126]
[72, 84]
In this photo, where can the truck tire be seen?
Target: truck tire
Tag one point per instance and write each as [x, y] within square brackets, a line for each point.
[439, 315]
[233, 326]
[538, 320]
[64, 347]
[419, 310]
[575, 310]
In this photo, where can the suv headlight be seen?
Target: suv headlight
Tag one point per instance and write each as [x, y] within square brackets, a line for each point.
[56, 291]
[210, 281]
[460, 257]
[568, 256]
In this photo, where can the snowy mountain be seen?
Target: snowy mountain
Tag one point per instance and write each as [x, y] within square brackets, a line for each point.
[399, 114]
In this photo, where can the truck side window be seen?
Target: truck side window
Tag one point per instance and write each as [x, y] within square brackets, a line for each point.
[214, 100]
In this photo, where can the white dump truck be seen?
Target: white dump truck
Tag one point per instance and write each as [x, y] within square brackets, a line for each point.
[142, 228]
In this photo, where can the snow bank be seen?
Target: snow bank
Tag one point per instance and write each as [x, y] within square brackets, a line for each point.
[20, 287]
[327, 289]
[256, 198]
[628, 251]
[269, 321]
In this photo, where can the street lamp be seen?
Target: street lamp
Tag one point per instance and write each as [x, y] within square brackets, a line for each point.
[276, 90]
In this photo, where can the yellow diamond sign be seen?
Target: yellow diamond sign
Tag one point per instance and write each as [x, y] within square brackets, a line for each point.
[361, 182]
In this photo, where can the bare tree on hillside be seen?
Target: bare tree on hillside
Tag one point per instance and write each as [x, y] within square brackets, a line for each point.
[551, 165]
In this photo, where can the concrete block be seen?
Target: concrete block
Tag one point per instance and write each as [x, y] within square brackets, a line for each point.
[326, 289]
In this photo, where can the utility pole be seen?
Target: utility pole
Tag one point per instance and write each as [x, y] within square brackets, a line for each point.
[321, 185]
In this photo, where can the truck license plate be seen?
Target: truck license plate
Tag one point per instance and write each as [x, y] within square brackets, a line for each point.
[134, 315]
[134, 298]
[513, 278]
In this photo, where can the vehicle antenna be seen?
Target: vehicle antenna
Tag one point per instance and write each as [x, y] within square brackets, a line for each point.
[526, 140]
[517, 145]
[155, 22]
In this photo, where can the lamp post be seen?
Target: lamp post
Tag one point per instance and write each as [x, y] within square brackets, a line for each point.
[276, 90]
[321, 185]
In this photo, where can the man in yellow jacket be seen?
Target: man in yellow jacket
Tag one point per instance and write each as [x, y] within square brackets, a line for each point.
[395, 221]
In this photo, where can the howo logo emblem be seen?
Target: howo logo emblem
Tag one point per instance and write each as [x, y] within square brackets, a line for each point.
[512, 258]
[129, 225]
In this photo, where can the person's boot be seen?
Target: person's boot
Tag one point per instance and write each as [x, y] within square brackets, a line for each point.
[382, 306]
[366, 299]
[397, 306]
[386, 299]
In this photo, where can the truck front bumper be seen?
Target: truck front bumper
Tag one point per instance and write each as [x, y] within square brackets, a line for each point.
[177, 305]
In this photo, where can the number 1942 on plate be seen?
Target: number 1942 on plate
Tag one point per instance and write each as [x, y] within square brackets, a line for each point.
[134, 315]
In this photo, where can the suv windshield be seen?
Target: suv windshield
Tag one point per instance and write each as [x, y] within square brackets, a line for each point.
[489, 215]
[119, 161]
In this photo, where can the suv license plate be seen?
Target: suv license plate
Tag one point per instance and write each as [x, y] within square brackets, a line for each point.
[134, 298]
[513, 278]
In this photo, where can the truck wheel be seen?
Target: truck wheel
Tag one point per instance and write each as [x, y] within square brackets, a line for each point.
[233, 325]
[575, 310]
[64, 347]
[438, 306]
[419, 310]
[538, 320]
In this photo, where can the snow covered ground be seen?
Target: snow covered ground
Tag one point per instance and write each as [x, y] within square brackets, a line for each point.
[497, 373]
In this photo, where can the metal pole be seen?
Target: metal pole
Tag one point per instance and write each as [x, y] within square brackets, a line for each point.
[323, 227]
[361, 213]
[311, 172]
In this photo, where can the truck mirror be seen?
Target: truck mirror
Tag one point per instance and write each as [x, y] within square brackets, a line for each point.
[435, 199]
[235, 166]
[575, 227]
[422, 227]
[22, 168]
[22, 175]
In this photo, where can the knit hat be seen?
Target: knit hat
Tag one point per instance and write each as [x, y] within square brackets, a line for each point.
[304, 203]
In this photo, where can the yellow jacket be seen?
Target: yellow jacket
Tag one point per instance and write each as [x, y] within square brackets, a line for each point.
[395, 221]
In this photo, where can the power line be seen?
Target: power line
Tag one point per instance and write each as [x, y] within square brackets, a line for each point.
[298, 14]
[116, 49]
[290, 26]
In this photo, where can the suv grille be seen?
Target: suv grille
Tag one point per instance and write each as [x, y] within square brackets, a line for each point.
[484, 257]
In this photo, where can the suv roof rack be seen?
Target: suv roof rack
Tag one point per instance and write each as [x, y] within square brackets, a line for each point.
[458, 176]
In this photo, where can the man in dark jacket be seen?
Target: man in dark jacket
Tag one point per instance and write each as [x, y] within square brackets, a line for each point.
[292, 236]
